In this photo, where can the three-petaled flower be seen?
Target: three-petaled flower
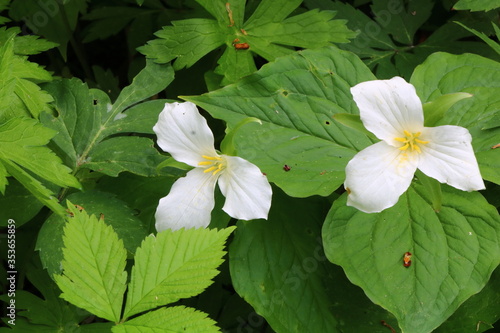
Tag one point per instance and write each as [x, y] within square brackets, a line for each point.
[185, 134]
[378, 175]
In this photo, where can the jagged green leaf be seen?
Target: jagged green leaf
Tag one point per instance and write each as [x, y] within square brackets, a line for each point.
[174, 265]
[494, 45]
[94, 276]
[115, 212]
[268, 33]
[454, 251]
[19, 95]
[173, 319]
[22, 147]
[476, 5]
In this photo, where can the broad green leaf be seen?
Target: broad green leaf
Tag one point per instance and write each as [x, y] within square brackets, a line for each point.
[173, 319]
[87, 117]
[174, 265]
[444, 73]
[295, 98]
[478, 313]
[265, 33]
[94, 276]
[454, 251]
[279, 267]
[476, 5]
[19, 96]
[50, 313]
[115, 212]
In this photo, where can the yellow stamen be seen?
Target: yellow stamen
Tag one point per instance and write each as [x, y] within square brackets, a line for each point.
[411, 142]
[215, 164]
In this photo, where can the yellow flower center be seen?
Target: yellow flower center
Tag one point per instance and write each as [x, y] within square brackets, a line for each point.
[214, 164]
[411, 142]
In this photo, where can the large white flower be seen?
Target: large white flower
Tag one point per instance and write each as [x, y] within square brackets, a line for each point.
[184, 133]
[380, 173]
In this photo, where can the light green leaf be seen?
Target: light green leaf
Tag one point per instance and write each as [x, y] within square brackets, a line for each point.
[18, 95]
[454, 252]
[22, 146]
[173, 319]
[476, 5]
[435, 110]
[94, 276]
[174, 265]
[296, 98]
[115, 212]
[279, 267]
[444, 73]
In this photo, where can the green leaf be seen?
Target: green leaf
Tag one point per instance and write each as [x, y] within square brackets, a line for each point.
[296, 98]
[133, 154]
[55, 20]
[22, 148]
[476, 5]
[19, 96]
[444, 73]
[265, 33]
[173, 319]
[388, 44]
[115, 212]
[435, 110]
[174, 265]
[454, 252]
[94, 276]
[353, 121]
[478, 313]
[494, 45]
[15, 196]
[87, 117]
[285, 276]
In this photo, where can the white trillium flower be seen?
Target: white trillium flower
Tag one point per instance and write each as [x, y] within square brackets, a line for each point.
[378, 175]
[185, 134]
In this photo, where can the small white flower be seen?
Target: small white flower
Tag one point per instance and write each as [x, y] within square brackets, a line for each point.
[380, 173]
[184, 133]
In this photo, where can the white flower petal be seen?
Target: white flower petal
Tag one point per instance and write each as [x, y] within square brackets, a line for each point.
[389, 107]
[377, 176]
[449, 157]
[184, 133]
[247, 191]
[189, 203]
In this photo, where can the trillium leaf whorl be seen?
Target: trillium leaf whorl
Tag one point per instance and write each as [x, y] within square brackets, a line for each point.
[378, 175]
[185, 134]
